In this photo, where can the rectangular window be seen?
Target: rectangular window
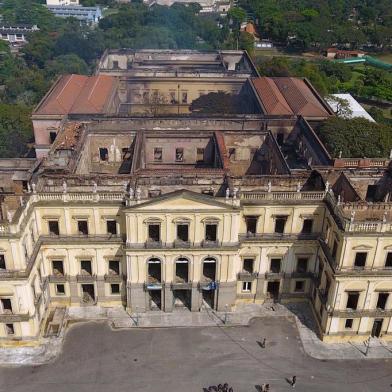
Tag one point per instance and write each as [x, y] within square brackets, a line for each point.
[348, 324]
[302, 265]
[334, 249]
[6, 305]
[60, 289]
[2, 262]
[10, 329]
[114, 267]
[275, 266]
[53, 227]
[85, 266]
[200, 155]
[182, 232]
[352, 300]
[251, 224]
[300, 285]
[158, 154]
[154, 234]
[83, 227]
[211, 231]
[52, 136]
[184, 97]
[248, 265]
[103, 154]
[111, 227]
[382, 300]
[360, 259]
[388, 260]
[247, 286]
[58, 267]
[115, 64]
[172, 95]
[115, 288]
[179, 154]
[307, 226]
[280, 223]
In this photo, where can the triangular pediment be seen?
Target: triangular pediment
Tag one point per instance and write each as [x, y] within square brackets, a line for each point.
[183, 201]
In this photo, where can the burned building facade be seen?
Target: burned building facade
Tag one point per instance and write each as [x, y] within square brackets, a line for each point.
[142, 203]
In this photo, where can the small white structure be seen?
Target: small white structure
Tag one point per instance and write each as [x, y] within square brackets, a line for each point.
[62, 2]
[16, 35]
[355, 107]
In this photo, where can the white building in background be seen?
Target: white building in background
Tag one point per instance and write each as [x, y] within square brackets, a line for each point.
[355, 107]
[62, 2]
[208, 6]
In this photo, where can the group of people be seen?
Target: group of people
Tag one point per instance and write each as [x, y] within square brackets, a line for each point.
[219, 388]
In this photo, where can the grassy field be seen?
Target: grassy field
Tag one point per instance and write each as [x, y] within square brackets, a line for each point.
[387, 57]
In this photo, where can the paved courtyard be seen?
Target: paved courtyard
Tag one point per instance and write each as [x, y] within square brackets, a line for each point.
[95, 358]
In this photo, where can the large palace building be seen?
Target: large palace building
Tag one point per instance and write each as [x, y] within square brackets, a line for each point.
[141, 197]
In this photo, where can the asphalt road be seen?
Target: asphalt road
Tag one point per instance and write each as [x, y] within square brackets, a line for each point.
[97, 359]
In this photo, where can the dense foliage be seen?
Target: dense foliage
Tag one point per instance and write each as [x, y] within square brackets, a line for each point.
[356, 138]
[319, 24]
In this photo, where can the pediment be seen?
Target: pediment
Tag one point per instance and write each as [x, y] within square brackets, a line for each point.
[183, 201]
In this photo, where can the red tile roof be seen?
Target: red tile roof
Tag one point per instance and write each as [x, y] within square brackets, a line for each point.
[77, 94]
[272, 100]
[289, 96]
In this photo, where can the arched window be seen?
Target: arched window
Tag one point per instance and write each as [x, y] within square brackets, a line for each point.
[154, 270]
[182, 270]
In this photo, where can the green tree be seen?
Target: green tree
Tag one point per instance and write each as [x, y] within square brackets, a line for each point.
[66, 64]
[356, 138]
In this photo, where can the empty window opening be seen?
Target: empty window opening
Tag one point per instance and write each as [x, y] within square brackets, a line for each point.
[388, 260]
[158, 154]
[184, 97]
[154, 271]
[251, 224]
[302, 265]
[52, 136]
[58, 267]
[200, 155]
[246, 286]
[371, 192]
[334, 249]
[115, 64]
[360, 259]
[103, 154]
[10, 329]
[88, 293]
[114, 267]
[83, 227]
[111, 227]
[54, 227]
[154, 232]
[275, 265]
[307, 226]
[6, 305]
[155, 300]
[115, 288]
[211, 231]
[273, 289]
[183, 232]
[348, 324]
[60, 289]
[2, 262]
[172, 96]
[280, 223]
[85, 267]
[248, 265]
[352, 300]
[300, 285]
[179, 154]
[182, 270]
[209, 269]
[382, 300]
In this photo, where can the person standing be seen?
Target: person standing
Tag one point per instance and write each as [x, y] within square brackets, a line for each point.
[294, 381]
